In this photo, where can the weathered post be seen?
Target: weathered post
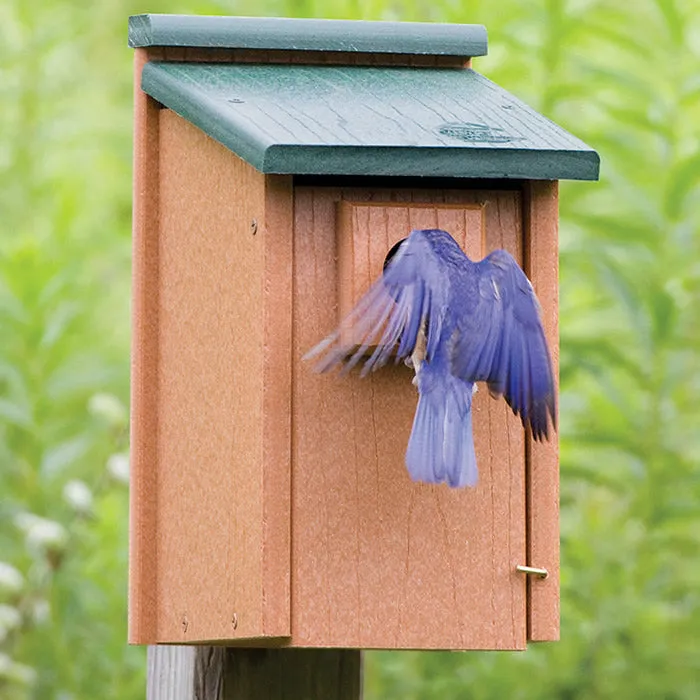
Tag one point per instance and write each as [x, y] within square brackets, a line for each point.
[221, 673]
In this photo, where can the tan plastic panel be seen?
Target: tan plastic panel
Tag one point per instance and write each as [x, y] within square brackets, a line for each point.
[219, 476]
[377, 560]
[542, 264]
[144, 366]
[367, 231]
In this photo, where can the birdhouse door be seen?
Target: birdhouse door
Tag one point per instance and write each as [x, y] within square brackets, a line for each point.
[378, 560]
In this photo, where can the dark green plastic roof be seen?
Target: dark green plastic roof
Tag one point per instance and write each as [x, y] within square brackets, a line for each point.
[356, 120]
[308, 35]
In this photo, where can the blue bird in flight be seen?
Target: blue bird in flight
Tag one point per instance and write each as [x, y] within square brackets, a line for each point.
[455, 322]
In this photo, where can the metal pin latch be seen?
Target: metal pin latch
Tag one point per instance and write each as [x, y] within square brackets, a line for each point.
[532, 571]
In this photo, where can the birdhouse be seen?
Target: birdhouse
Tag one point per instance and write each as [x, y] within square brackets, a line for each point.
[277, 161]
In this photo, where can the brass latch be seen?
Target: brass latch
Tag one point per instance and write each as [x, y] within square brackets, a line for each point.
[532, 571]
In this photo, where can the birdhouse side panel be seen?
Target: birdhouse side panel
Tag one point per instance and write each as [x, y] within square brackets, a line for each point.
[211, 368]
[144, 367]
[542, 264]
[379, 561]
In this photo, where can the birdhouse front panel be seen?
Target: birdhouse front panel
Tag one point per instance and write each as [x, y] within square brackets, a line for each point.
[378, 560]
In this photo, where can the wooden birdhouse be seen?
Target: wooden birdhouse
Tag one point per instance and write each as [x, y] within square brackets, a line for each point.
[276, 163]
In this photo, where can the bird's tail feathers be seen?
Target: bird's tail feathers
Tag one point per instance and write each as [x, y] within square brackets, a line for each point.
[441, 446]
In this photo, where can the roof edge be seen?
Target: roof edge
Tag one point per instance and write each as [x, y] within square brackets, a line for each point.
[400, 161]
[250, 145]
[275, 33]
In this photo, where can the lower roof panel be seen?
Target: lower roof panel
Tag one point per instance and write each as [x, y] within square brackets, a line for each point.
[363, 120]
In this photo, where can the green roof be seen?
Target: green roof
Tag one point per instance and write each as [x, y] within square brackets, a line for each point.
[366, 120]
[308, 35]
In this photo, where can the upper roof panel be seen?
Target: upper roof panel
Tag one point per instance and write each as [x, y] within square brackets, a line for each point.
[272, 33]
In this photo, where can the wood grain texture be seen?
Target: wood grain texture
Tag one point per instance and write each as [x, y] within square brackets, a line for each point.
[367, 230]
[170, 672]
[221, 489]
[379, 561]
[293, 674]
[541, 211]
[220, 673]
[144, 365]
[369, 120]
[276, 230]
[209, 672]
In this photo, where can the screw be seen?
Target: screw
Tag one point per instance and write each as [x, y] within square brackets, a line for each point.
[184, 624]
[234, 620]
[254, 226]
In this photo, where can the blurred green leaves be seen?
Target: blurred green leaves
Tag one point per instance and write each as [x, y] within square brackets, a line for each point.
[64, 286]
[625, 79]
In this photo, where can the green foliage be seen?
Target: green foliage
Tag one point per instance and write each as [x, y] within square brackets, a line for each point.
[624, 78]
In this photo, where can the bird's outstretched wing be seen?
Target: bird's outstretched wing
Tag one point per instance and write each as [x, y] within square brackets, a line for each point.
[501, 341]
[390, 315]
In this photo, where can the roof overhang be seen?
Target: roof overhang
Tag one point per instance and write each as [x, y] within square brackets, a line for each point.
[366, 120]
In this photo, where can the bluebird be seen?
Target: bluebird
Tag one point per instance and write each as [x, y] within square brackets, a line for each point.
[455, 322]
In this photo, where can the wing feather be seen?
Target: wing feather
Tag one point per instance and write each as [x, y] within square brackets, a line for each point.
[501, 341]
[388, 318]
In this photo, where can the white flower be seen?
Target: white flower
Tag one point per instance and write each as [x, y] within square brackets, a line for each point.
[19, 673]
[9, 617]
[41, 533]
[78, 496]
[118, 467]
[108, 407]
[10, 578]
[41, 611]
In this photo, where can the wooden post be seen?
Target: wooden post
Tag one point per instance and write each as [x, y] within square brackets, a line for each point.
[224, 673]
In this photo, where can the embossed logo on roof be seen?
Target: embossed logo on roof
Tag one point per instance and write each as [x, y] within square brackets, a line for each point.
[477, 133]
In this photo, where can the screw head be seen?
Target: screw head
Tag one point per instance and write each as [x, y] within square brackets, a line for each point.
[234, 620]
